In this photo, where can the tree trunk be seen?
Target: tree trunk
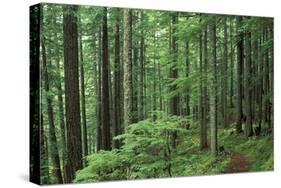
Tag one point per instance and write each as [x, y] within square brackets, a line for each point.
[141, 74]
[225, 75]
[174, 74]
[204, 141]
[247, 81]
[202, 123]
[52, 134]
[83, 100]
[240, 57]
[116, 129]
[98, 126]
[62, 121]
[105, 108]
[213, 97]
[231, 91]
[72, 100]
[127, 68]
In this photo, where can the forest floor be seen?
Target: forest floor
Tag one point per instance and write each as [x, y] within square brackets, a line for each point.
[238, 163]
[239, 154]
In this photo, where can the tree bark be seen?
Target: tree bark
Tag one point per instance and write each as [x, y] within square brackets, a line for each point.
[174, 110]
[247, 81]
[116, 129]
[141, 74]
[240, 57]
[213, 97]
[98, 124]
[83, 100]
[225, 75]
[72, 100]
[105, 99]
[52, 134]
[127, 68]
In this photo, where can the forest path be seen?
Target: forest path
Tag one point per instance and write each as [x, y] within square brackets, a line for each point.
[238, 163]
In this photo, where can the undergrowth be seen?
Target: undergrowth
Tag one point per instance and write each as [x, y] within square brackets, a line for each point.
[147, 152]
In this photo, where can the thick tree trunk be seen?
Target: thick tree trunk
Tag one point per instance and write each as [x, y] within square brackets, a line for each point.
[247, 81]
[98, 124]
[213, 97]
[72, 100]
[127, 68]
[225, 75]
[105, 98]
[116, 129]
[240, 57]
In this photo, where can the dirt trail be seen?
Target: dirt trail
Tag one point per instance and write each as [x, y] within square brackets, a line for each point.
[238, 163]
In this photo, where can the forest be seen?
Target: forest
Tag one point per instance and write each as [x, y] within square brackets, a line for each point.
[134, 94]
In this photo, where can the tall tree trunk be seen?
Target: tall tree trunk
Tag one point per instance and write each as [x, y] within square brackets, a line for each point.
[141, 73]
[154, 101]
[72, 100]
[93, 137]
[187, 96]
[98, 124]
[83, 100]
[202, 123]
[213, 97]
[61, 118]
[271, 72]
[127, 68]
[225, 75]
[247, 81]
[266, 82]
[116, 129]
[105, 108]
[240, 57]
[52, 133]
[231, 91]
[205, 90]
[174, 110]
[260, 86]
[255, 62]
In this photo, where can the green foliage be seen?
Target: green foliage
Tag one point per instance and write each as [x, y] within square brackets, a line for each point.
[145, 153]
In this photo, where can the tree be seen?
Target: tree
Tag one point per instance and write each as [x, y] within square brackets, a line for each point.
[116, 129]
[127, 68]
[105, 108]
[141, 72]
[225, 75]
[61, 117]
[213, 97]
[72, 100]
[240, 57]
[98, 122]
[83, 100]
[174, 73]
[248, 93]
[203, 68]
[52, 134]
